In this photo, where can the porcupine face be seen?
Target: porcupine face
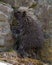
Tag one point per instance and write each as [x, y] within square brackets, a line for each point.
[19, 14]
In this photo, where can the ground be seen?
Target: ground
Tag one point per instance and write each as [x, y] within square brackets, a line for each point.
[12, 57]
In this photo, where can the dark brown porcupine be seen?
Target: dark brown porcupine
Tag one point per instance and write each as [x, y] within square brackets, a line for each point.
[31, 35]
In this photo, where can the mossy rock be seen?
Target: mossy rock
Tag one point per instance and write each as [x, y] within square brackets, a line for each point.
[33, 5]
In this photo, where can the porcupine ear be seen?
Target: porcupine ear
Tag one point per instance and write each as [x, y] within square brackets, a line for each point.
[24, 13]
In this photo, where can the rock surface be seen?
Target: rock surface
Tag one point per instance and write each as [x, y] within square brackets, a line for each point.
[44, 14]
[5, 21]
[17, 3]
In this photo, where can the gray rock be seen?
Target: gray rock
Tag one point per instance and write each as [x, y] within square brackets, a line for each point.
[6, 39]
[7, 10]
[44, 14]
[17, 3]
[42, 2]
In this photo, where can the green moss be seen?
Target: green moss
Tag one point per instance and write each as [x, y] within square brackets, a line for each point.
[1, 46]
[11, 50]
[33, 5]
